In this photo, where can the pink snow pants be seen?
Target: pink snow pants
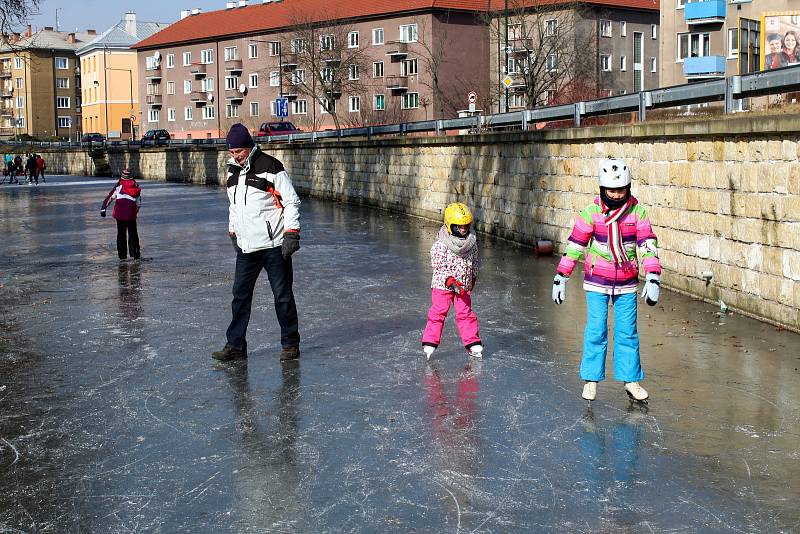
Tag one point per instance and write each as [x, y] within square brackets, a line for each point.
[466, 320]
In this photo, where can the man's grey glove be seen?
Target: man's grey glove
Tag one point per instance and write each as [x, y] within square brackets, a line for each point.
[652, 289]
[560, 288]
[291, 243]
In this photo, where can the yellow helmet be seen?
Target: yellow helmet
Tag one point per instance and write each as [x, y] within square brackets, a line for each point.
[456, 214]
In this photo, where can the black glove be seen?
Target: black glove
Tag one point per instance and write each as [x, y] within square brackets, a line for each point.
[102, 212]
[291, 244]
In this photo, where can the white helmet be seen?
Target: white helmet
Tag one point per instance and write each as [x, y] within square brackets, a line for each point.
[614, 173]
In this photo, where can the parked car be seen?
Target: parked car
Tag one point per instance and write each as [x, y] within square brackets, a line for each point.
[93, 137]
[156, 137]
[268, 129]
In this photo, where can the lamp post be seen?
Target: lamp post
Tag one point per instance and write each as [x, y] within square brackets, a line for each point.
[14, 113]
[130, 79]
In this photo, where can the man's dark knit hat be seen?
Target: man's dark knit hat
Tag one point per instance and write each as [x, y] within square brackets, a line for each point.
[239, 137]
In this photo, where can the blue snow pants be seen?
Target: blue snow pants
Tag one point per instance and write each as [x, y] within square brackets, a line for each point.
[627, 366]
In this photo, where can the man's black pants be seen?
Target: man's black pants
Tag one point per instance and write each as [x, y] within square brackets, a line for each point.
[127, 237]
[279, 273]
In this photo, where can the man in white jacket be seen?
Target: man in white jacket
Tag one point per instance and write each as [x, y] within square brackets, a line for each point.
[264, 225]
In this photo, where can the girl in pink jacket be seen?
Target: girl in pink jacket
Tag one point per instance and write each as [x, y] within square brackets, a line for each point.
[454, 258]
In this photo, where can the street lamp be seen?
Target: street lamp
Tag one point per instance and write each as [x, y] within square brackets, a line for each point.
[14, 113]
[130, 78]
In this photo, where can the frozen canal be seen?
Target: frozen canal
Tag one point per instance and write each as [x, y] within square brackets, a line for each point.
[114, 418]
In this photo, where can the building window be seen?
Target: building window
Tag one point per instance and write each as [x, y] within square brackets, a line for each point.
[327, 104]
[512, 66]
[150, 63]
[605, 62]
[20, 83]
[274, 48]
[326, 42]
[653, 31]
[299, 77]
[693, 45]
[62, 83]
[623, 63]
[62, 102]
[552, 62]
[355, 104]
[231, 53]
[21, 122]
[17, 62]
[153, 115]
[623, 28]
[254, 80]
[231, 111]
[187, 87]
[170, 61]
[208, 112]
[408, 67]
[550, 27]
[298, 46]
[733, 42]
[377, 36]
[187, 59]
[299, 107]
[410, 101]
[207, 56]
[274, 78]
[254, 109]
[682, 3]
[516, 100]
[61, 63]
[354, 72]
[408, 33]
[207, 84]
[171, 114]
[65, 122]
[20, 102]
[170, 88]
[326, 74]
[231, 82]
[252, 50]
[352, 40]
[377, 69]
[653, 64]
[188, 113]
[380, 102]
[606, 29]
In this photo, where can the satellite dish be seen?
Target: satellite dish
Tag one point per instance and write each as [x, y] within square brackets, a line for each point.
[157, 56]
[243, 89]
[210, 97]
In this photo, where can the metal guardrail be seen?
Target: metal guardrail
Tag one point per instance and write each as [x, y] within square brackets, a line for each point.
[725, 90]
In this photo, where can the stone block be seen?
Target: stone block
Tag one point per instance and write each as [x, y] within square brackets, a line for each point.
[791, 264]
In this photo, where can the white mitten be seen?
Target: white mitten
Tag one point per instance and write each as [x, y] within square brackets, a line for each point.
[560, 288]
[652, 289]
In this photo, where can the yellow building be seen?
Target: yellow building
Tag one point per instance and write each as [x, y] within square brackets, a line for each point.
[109, 75]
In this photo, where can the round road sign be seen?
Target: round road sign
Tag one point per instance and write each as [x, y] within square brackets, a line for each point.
[472, 97]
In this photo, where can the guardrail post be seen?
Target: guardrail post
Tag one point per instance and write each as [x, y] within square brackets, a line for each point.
[314, 136]
[525, 120]
[733, 86]
[402, 128]
[439, 127]
[645, 101]
[369, 133]
[580, 109]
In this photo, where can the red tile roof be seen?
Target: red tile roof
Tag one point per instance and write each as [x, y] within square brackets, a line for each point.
[258, 18]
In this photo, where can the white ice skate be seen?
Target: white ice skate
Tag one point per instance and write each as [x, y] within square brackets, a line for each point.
[636, 392]
[428, 350]
[476, 351]
[589, 390]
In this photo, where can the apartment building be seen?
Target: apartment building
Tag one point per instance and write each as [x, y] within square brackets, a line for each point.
[711, 39]
[556, 52]
[109, 78]
[359, 63]
[40, 84]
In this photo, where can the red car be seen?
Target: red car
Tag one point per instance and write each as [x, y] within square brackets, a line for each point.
[277, 128]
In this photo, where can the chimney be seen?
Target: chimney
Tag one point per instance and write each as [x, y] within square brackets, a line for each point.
[230, 5]
[91, 32]
[29, 31]
[185, 13]
[242, 3]
[71, 38]
[130, 23]
[4, 38]
[15, 37]
[196, 11]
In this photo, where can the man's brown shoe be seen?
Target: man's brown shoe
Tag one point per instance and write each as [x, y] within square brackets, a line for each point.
[229, 353]
[290, 353]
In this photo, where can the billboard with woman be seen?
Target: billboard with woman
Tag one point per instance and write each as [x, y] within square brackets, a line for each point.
[781, 39]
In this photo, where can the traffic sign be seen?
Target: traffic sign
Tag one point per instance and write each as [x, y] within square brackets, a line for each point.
[472, 97]
[282, 107]
[133, 117]
[507, 81]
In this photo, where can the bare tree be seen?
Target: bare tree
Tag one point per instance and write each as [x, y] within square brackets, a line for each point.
[14, 14]
[551, 51]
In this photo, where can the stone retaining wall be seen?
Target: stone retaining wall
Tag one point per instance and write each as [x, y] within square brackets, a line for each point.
[724, 196]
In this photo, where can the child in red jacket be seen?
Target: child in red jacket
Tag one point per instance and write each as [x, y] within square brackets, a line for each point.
[126, 196]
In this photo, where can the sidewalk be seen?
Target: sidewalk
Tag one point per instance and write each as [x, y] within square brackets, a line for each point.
[114, 418]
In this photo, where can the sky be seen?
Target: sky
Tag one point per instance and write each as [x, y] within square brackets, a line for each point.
[101, 14]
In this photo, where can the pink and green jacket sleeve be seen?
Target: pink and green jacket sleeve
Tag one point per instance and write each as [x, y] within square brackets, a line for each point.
[579, 239]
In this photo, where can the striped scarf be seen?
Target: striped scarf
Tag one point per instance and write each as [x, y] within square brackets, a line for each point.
[612, 217]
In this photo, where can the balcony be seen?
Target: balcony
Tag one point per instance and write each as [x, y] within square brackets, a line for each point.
[5, 73]
[155, 101]
[396, 50]
[199, 70]
[233, 95]
[199, 97]
[332, 91]
[289, 62]
[153, 75]
[233, 65]
[6, 111]
[330, 57]
[705, 12]
[397, 83]
[522, 46]
[6, 93]
[702, 68]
